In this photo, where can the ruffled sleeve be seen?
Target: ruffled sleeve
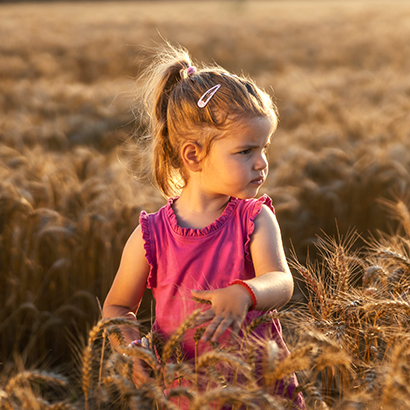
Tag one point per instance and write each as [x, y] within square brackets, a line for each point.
[147, 247]
[255, 209]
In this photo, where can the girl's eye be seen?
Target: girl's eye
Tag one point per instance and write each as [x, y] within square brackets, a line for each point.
[245, 151]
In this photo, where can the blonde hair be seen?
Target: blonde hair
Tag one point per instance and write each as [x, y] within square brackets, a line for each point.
[168, 103]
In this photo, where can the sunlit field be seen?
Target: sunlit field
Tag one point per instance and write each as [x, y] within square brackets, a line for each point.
[339, 180]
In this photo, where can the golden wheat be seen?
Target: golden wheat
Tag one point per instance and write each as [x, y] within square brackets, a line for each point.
[67, 204]
[89, 352]
[178, 334]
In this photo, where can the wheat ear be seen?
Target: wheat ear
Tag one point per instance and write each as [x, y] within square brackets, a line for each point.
[144, 354]
[314, 395]
[156, 393]
[395, 391]
[5, 403]
[387, 305]
[94, 334]
[178, 334]
[341, 270]
[398, 257]
[182, 391]
[115, 331]
[267, 317]
[237, 395]
[218, 357]
[180, 369]
[61, 406]
[300, 359]
[125, 387]
[30, 377]
[270, 361]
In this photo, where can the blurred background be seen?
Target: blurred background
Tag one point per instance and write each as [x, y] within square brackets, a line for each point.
[68, 201]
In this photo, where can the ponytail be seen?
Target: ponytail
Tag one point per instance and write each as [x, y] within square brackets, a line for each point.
[161, 78]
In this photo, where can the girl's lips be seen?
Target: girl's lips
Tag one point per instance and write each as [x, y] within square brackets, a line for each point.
[258, 181]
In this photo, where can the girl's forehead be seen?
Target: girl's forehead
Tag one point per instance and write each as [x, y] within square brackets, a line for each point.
[258, 128]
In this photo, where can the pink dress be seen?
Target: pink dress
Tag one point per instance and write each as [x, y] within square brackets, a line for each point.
[182, 259]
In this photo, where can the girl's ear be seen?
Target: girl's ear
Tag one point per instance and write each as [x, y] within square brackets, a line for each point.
[191, 156]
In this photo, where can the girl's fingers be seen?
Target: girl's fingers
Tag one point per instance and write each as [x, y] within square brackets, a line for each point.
[236, 327]
[139, 375]
[220, 322]
[205, 317]
[211, 328]
[217, 326]
[223, 325]
[202, 294]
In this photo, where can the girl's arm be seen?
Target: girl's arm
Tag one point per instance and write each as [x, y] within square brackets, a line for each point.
[273, 282]
[126, 292]
[272, 285]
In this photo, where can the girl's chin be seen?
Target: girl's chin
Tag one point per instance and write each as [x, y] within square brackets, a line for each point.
[247, 195]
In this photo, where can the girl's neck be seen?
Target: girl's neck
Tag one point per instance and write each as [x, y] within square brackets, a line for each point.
[196, 211]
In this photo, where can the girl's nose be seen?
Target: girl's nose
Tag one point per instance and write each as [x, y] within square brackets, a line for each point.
[261, 162]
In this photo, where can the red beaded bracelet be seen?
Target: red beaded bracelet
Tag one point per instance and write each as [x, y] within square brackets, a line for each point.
[248, 288]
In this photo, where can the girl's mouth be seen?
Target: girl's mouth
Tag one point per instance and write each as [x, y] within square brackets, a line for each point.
[258, 181]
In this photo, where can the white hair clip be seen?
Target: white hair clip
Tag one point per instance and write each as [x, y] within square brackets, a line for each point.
[207, 96]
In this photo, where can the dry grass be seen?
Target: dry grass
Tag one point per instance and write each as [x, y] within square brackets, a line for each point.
[340, 160]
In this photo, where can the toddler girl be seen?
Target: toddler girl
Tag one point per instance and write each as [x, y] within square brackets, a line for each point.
[210, 131]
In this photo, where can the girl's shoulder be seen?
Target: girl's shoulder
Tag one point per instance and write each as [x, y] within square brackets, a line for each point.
[253, 207]
[164, 212]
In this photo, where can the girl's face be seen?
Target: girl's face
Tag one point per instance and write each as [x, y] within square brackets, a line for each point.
[237, 165]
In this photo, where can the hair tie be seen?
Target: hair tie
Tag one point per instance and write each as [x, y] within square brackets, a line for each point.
[186, 72]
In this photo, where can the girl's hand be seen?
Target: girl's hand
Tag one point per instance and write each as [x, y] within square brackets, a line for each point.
[139, 373]
[229, 307]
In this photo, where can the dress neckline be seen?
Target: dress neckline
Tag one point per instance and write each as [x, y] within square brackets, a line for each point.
[215, 225]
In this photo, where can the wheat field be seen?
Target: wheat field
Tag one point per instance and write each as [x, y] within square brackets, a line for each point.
[339, 180]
